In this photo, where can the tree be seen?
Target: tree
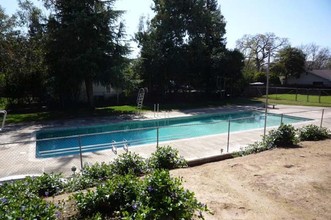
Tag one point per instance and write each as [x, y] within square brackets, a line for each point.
[85, 45]
[179, 45]
[23, 67]
[33, 66]
[316, 57]
[256, 48]
[290, 61]
[228, 68]
[7, 38]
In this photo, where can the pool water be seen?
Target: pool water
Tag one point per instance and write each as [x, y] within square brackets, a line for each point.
[60, 142]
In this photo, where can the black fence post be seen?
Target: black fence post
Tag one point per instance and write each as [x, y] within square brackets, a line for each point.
[296, 95]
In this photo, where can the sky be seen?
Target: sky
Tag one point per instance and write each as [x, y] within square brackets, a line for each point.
[301, 21]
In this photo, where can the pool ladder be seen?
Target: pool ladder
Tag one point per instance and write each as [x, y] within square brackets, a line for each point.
[4, 112]
[114, 145]
[140, 99]
[156, 111]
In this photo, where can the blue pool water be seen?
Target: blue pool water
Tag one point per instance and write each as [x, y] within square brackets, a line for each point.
[60, 142]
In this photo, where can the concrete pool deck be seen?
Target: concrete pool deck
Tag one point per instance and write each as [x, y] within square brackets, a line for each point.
[17, 142]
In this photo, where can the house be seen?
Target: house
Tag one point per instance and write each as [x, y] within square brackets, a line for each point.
[321, 78]
[100, 92]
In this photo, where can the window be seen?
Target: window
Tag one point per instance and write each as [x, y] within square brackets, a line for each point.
[318, 83]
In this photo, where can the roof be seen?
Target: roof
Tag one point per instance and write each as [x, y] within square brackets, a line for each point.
[325, 74]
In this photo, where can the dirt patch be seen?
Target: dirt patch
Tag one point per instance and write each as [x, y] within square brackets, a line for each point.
[276, 184]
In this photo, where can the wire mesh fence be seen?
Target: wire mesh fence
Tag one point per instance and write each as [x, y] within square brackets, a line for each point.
[309, 95]
[193, 140]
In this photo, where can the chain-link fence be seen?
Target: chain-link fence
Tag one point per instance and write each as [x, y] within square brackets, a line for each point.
[309, 95]
[193, 140]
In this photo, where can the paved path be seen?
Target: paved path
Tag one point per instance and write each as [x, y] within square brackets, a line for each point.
[17, 142]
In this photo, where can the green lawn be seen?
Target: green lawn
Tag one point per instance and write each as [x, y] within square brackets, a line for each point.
[58, 115]
[286, 99]
[116, 110]
[293, 99]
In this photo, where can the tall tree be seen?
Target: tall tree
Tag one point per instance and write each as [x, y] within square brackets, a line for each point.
[32, 19]
[23, 64]
[7, 38]
[290, 61]
[316, 57]
[179, 43]
[85, 45]
[256, 48]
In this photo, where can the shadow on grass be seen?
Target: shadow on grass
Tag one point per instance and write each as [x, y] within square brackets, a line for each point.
[206, 104]
[127, 110]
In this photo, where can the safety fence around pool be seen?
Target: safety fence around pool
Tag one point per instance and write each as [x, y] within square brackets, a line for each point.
[60, 154]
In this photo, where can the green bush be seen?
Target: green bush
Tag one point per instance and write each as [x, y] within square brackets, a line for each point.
[48, 184]
[164, 197]
[19, 200]
[119, 194]
[166, 158]
[98, 172]
[254, 148]
[284, 136]
[129, 163]
[79, 182]
[111, 199]
[313, 133]
[157, 196]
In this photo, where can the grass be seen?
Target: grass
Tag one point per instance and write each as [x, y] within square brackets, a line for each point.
[207, 104]
[58, 115]
[116, 110]
[292, 99]
[285, 99]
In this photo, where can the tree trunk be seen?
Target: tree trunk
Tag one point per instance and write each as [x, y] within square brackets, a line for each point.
[117, 97]
[89, 92]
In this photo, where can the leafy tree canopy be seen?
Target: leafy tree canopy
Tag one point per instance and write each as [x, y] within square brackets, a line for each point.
[290, 61]
[183, 45]
[85, 45]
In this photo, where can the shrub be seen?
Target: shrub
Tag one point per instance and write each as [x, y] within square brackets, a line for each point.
[313, 133]
[128, 163]
[91, 175]
[48, 184]
[165, 198]
[111, 199]
[256, 147]
[166, 158]
[284, 136]
[98, 172]
[79, 182]
[19, 200]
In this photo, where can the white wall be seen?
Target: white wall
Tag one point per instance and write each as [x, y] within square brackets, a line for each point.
[99, 90]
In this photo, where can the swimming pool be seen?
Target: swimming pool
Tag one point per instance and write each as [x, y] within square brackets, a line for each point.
[60, 142]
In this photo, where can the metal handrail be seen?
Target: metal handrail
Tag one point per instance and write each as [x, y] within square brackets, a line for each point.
[4, 118]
